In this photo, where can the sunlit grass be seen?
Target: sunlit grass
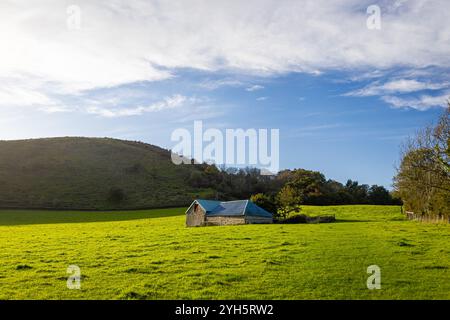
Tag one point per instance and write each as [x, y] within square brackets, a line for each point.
[152, 255]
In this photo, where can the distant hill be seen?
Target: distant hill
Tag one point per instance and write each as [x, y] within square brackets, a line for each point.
[91, 173]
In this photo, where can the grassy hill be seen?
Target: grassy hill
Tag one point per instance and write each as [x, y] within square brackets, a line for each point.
[150, 254]
[91, 173]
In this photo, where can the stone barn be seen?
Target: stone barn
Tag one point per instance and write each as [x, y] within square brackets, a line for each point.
[214, 213]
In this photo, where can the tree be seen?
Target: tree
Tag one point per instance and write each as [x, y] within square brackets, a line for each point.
[441, 135]
[266, 202]
[310, 184]
[379, 195]
[196, 179]
[357, 192]
[289, 200]
[116, 195]
[423, 177]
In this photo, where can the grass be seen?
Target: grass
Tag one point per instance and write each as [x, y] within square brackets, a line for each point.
[152, 255]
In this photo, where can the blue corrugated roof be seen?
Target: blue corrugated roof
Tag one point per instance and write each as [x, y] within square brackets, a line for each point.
[233, 208]
[254, 210]
[208, 205]
[229, 208]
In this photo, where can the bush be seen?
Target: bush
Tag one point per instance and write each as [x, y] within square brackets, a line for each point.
[302, 218]
[297, 218]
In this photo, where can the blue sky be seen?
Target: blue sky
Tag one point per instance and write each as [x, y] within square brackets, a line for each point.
[343, 96]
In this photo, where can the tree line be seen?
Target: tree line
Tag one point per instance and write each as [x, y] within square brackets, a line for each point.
[288, 189]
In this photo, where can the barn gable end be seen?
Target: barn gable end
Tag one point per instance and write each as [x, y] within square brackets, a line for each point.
[195, 215]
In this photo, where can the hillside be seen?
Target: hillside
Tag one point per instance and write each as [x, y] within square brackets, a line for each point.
[91, 173]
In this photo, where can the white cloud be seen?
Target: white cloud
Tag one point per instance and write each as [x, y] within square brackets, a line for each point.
[17, 94]
[395, 93]
[397, 86]
[255, 87]
[122, 42]
[218, 83]
[14, 96]
[167, 103]
[423, 102]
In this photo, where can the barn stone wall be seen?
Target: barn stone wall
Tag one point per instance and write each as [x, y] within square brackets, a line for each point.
[221, 221]
[195, 216]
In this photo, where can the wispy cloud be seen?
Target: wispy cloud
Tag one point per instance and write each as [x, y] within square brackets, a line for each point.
[211, 84]
[397, 86]
[422, 102]
[409, 93]
[312, 130]
[255, 87]
[14, 96]
[167, 103]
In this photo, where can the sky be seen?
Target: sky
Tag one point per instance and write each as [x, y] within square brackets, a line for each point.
[345, 84]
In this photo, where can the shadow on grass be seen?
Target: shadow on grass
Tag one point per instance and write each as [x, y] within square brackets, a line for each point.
[352, 220]
[370, 220]
[26, 217]
[29, 217]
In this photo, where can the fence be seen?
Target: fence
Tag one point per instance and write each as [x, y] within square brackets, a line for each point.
[427, 218]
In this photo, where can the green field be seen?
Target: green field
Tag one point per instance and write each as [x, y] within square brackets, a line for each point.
[152, 255]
